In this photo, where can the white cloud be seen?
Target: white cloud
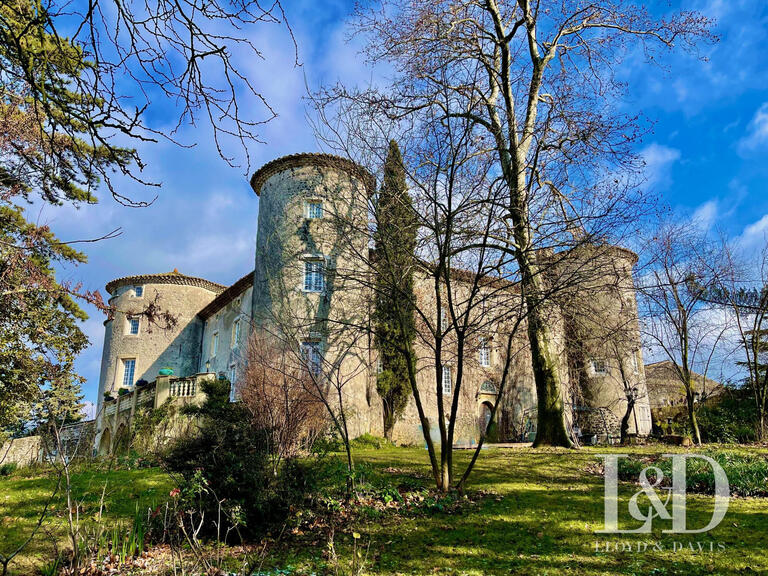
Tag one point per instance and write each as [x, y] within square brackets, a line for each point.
[704, 216]
[754, 235]
[658, 164]
[757, 131]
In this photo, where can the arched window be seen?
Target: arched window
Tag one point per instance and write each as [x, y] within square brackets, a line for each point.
[488, 387]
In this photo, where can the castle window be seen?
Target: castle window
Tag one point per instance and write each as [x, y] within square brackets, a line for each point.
[379, 365]
[314, 276]
[445, 320]
[133, 325]
[311, 356]
[138, 291]
[446, 379]
[129, 368]
[236, 333]
[214, 343]
[635, 364]
[314, 209]
[484, 353]
[599, 367]
[232, 378]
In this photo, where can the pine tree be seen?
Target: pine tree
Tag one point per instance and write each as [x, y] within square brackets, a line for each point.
[395, 243]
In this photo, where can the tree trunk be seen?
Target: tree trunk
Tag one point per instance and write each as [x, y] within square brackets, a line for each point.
[389, 420]
[550, 425]
[445, 477]
[625, 421]
[550, 428]
[692, 420]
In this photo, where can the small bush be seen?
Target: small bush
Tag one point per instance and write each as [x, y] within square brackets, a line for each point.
[729, 418]
[326, 443]
[369, 441]
[8, 468]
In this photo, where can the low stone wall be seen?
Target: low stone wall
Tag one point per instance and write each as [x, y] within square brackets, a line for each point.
[22, 451]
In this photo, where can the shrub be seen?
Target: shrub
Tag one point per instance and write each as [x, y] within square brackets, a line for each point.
[328, 442]
[226, 461]
[729, 418]
[277, 392]
[8, 468]
[369, 441]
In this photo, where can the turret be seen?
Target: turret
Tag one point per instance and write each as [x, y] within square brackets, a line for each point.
[136, 350]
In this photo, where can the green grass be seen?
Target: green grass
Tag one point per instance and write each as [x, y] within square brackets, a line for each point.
[540, 518]
[25, 492]
[529, 512]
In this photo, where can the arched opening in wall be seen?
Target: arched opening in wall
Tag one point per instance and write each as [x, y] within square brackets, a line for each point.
[104, 442]
[486, 413]
[121, 440]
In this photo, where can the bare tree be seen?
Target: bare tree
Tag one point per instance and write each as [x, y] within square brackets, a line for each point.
[740, 289]
[679, 320]
[277, 392]
[538, 82]
[469, 292]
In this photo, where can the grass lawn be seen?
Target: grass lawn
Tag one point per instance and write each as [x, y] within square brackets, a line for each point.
[530, 512]
[24, 494]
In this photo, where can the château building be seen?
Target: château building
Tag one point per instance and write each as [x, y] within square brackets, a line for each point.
[303, 286]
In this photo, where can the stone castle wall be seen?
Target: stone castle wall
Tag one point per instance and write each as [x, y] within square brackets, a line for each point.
[22, 451]
[227, 330]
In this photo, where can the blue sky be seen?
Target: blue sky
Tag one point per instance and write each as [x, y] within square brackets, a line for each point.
[707, 155]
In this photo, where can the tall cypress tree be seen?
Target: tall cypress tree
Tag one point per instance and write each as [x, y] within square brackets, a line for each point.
[395, 243]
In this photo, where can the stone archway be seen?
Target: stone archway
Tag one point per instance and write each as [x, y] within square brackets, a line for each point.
[486, 411]
[121, 440]
[104, 442]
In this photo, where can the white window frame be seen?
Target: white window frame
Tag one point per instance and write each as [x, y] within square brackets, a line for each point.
[214, 344]
[445, 319]
[124, 376]
[130, 320]
[635, 362]
[599, 367]
[308, 208]
[311, 283]
[313, 365]
[235, 333]
[447, 382]
[232, 379]
[138, 291]
[379, 365]
[484, 353]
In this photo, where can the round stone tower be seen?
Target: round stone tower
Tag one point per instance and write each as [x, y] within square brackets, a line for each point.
[310, 268]
[604, 343]
[312, 238]
[135, 350]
